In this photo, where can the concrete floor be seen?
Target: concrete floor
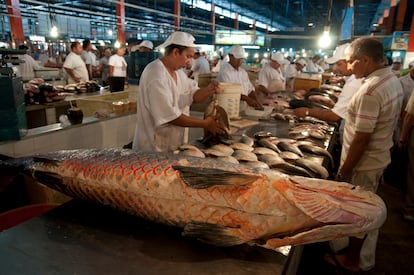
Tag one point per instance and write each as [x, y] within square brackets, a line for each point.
[395, 248]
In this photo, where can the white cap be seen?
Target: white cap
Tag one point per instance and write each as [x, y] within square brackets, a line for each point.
[302, 62]
[237, 51]
[397, 60]
[93, 47]
[339, 54]
[279, 58]
[179, 38]
[147, 44]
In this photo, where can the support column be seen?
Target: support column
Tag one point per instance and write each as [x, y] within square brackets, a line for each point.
[177, 12]
[391, 15]
[409, 56]
[236, 21]
[402, 9]
[16, 24]
[254, 24]
[213, 18]
[120, 21]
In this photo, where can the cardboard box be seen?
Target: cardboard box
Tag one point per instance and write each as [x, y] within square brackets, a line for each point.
[306, 84]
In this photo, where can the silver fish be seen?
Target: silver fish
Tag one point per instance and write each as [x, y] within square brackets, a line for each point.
[215, 202]
[247, 140]
[314, 167]
[285, 146]
[263, 151]
[228, 159]
[242, 155]
[241, 146]
[317, 151]
[271, 160]
[264, 142]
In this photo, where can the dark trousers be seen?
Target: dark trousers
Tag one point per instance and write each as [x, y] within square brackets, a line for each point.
[116, 84]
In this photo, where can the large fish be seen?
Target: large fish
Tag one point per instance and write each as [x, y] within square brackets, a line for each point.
[217, 202]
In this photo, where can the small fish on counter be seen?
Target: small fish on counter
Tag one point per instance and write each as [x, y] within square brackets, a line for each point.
[216, 202]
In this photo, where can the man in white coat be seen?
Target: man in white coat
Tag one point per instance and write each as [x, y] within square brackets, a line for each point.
[164, 99]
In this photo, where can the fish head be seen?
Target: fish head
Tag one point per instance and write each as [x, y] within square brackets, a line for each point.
[335, 209]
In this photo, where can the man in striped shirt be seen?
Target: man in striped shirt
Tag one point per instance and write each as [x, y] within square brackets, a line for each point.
[368, 136]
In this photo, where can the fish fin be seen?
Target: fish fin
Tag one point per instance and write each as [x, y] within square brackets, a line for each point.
[200, 178]
[212, 234]
[52, 180]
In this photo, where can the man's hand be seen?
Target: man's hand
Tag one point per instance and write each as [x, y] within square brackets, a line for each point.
[301, 112]
[215, 125]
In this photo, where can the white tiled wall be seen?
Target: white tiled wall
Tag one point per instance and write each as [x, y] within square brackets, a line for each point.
[114, 132]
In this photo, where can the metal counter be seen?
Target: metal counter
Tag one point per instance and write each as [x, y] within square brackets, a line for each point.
[83, 238]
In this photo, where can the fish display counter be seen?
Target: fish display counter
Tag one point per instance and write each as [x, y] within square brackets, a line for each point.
[83, 238]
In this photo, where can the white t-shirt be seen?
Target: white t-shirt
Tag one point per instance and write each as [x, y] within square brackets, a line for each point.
[86, 57]
[119, 64]
[74, 62]
[201, 66]
[313, 67]
[272, 79]
[161, 100]
[407, 84]
[350, 88]
[26, 69]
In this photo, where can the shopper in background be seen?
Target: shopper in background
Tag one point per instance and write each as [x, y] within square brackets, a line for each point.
[406, 142]
[86, 56]
[104, 66]
[216, 65]
[117, 70]
[339, 111]
[74, 65]
[313, 65]
[27, 69]
[396, 66]
[164, 99]
[145, 46]
[232, 72]
[271, 79]
[293, 70]
[407, 83]
[200, 66]
[372, 116]
[407, 70]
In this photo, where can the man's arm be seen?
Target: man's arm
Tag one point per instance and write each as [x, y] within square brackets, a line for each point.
[326, 115]
[71, 74]
[356, 150]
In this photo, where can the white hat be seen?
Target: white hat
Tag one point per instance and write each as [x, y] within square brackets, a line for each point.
[179, 38]
[237, 51]
[147, 44]
[302, 62]
[94, 47]
[339, 54]
[279, 58]
[397, 60]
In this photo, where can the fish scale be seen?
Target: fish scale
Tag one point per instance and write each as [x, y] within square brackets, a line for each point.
[217, 202]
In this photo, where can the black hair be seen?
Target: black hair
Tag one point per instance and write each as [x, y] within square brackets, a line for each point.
[171, 47]
[86, 43]
[74, 44]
